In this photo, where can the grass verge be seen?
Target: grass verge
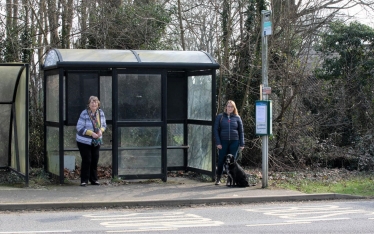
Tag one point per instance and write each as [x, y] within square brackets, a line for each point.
[360, 184]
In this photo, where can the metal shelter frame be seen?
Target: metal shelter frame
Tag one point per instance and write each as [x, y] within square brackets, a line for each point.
[159, 105]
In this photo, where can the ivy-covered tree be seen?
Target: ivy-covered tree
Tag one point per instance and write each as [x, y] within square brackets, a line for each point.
[243, 87]
[126, 25]
[348, 68]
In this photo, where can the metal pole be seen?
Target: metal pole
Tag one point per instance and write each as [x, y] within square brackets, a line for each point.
[264, 97]
[265, 139]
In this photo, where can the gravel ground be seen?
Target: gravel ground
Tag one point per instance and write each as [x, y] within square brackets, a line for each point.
[39, 178]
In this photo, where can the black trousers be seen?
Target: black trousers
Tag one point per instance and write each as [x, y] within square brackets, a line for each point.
[90, 159]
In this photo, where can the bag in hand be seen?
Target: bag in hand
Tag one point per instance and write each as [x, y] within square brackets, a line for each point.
[96, 141]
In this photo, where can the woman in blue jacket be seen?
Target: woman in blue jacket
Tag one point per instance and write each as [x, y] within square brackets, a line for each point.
[229, 135]
[90, 127]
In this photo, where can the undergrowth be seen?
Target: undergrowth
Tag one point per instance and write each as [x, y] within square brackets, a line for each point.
[325, 181]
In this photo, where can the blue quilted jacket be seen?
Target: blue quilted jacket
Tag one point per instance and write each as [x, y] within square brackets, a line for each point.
[85, 127]
[228, 128]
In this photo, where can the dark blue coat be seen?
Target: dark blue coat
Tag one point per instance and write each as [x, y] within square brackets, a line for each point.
[226, 128]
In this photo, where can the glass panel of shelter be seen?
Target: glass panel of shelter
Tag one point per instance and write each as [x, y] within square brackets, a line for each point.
[14, 118]
[139, 150]
[52, 150]
[52, 98]
[200, 135]
[106, 96]
[4, 134]
[8, 82]
[52, 118]
[81, 85]
[139, 100]
[19, 126]
[139, 97]
[175, 138]
[176, 118]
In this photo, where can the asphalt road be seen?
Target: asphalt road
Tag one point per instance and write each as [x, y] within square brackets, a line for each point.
[344, 216]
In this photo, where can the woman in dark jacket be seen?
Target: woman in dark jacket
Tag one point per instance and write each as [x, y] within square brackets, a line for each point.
[229, 135]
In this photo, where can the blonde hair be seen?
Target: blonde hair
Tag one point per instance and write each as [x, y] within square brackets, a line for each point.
[233, 104]
[93, 98]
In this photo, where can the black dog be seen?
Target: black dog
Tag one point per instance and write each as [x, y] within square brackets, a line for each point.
[235, 173]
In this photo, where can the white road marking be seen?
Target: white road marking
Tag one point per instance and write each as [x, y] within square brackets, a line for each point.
[168, 221]
[275, 224]
[306, 214]
[144, 230]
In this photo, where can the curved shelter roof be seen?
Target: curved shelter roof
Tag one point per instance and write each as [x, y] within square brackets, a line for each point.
[129, 58]
[14, 117]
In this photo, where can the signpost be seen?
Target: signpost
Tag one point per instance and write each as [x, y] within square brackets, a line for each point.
[263, 108]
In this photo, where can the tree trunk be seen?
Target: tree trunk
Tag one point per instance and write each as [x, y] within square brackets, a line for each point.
[227, 30]
[181, 25]
[11, 42]
[67, 22]
[53, 23]
[83, 23]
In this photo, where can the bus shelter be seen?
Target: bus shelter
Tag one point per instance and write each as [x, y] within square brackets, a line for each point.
[14, 117]
[159, 107]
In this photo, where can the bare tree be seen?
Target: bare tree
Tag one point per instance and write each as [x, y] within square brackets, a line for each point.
[67, 22]
[181, 25]
[11, 42]
[227, 29]
[52, 24]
